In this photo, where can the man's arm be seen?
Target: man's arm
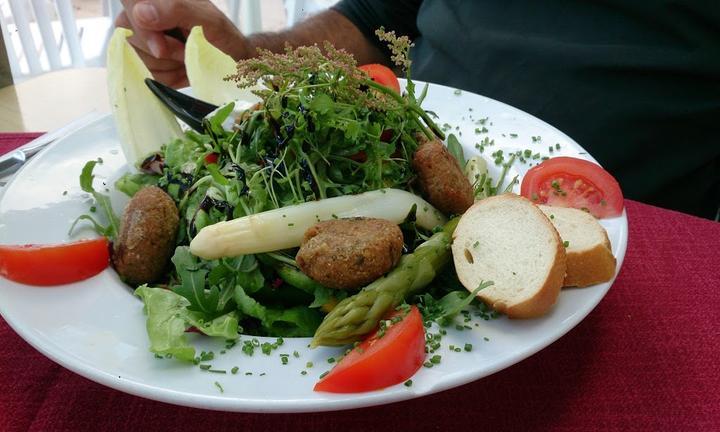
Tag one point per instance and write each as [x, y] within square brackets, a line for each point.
[164, 55]
[328, 25]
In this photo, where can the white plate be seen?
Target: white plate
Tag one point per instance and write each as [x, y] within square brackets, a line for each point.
[97, 329]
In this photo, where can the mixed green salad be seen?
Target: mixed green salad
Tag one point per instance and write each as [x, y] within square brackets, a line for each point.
[320, 129]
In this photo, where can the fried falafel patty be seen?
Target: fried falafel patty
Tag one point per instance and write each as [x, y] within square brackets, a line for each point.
[146, 240]
[441, 178]
[350, 253]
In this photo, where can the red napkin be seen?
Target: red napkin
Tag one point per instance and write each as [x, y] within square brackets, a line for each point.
[11, 141]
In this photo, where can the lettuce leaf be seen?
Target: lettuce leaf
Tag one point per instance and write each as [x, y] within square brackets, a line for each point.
[296, 321]
[130, 183]
[168, 317]
[166, 322]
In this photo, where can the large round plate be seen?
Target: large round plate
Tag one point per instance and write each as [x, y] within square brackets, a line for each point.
[96, 328]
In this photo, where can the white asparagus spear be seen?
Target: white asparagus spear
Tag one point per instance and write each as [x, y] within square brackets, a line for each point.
[284, 228]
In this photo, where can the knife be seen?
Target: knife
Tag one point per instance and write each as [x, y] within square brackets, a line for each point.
[11, 162]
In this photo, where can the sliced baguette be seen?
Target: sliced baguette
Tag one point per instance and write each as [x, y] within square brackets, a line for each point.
[506, 239]
[589, 257]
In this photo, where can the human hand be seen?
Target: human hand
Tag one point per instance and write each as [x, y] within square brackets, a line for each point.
[164, 55]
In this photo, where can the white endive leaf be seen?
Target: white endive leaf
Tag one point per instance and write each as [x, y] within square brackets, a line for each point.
[207, 67]
[143, 122]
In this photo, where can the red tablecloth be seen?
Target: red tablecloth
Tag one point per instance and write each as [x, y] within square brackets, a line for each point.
[647, 358]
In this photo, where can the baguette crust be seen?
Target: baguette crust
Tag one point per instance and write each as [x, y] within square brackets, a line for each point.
[590, 267]
[513, 246]
[590, 263]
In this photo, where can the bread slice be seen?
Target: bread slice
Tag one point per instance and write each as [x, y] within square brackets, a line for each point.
[589, 257]
[506, 239]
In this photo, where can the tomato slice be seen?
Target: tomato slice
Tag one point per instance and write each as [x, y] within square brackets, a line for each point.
[572, 182]
[382, 75]
[381, 360]
[54, 264]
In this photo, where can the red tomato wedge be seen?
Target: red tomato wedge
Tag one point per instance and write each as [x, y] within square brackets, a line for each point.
[572, 182]
[380, 360]
[54, 264]
[382, 75]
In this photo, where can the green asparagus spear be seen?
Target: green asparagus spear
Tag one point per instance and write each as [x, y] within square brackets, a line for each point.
[359, 314]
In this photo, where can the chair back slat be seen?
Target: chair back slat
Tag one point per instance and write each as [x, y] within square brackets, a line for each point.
[234, 12]
[52, 47]
[9, 47]
[67, 19]
[22, 22]
[294, 11]
[250, 16]
[114, 8]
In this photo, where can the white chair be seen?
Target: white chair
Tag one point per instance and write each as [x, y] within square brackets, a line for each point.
[247, 14]
[43, 35]
[58, 40]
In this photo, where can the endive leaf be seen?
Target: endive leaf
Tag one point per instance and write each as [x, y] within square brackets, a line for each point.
[143, 123]
[207, 67]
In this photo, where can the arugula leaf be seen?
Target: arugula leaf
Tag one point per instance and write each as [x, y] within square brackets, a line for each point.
[447, 307]
[112, 229]
[455, 149]
[322, 103]
[192, 282]
[217, 119]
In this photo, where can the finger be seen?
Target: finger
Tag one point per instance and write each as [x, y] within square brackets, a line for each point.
[135, 40]
[147, 40]
[174, 50]
[175, 79]
[162, 65]
[160, 15]
[122, 20]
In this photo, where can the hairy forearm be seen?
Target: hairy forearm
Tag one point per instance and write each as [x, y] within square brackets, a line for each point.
[326, 26]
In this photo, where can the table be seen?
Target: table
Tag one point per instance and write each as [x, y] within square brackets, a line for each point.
[52, 100]
[645, 359]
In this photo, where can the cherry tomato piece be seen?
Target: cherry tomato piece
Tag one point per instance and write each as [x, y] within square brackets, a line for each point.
[360, 156]
[387, 357]
[572, 182]
[211, 158]
[55, 264]
[382, 75]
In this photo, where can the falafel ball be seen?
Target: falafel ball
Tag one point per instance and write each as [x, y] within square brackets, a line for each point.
[350, 253]
[441, 178]
[146, 240]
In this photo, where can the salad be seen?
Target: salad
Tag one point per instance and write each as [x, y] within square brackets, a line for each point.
[324, 143]
[221, 234]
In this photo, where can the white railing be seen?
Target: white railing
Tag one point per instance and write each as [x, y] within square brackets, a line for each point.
[42, 35]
